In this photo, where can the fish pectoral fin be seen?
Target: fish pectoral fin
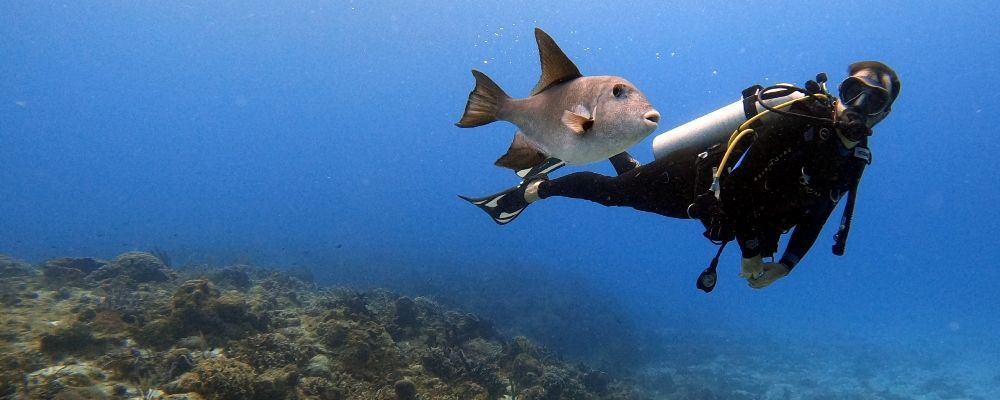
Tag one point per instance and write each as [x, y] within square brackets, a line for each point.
[521, 154]
[576, 122]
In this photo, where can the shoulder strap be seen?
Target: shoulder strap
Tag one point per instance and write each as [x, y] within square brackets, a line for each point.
[750, 100]
[864, 157]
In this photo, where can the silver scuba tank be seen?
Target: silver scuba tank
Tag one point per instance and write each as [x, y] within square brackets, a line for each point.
[717, 126]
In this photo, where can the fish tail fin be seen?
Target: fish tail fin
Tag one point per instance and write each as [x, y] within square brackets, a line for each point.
[484, 103]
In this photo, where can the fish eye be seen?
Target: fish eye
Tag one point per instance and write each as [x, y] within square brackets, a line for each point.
[619, 90]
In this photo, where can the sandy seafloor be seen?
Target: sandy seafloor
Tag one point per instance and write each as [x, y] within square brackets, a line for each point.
[737, 368]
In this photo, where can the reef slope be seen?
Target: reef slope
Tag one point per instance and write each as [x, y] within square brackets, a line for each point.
[132, 327]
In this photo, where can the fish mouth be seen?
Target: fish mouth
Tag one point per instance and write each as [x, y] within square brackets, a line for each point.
[652, 118]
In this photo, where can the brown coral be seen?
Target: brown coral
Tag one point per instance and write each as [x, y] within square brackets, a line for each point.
[138, 266]
[268, 350]
[220, 379]
[279, 339]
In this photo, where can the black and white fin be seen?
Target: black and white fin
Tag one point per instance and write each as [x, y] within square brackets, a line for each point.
[549, 165]
[502, 207]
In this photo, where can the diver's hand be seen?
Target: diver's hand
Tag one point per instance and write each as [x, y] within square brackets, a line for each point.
[772, 272]
[752, 268]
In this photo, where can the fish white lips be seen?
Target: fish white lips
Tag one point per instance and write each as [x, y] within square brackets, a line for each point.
[652, 117]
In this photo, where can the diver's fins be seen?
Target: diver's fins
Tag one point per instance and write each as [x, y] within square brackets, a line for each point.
[549, 165]
[504, 206]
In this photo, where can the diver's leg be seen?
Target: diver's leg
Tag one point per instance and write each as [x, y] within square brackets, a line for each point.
[624, 162]
[652, 187]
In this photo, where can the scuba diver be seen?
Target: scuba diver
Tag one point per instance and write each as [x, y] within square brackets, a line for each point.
[777, 160]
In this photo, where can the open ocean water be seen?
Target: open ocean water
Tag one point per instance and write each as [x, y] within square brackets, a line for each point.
[321, 135]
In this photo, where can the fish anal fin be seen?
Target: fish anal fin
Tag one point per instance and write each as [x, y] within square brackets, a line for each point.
[556, 66]
[577, 123]
[521, 154]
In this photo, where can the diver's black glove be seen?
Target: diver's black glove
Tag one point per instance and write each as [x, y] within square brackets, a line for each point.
[706, 208]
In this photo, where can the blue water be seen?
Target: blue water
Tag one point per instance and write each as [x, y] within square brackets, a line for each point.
[321, 134]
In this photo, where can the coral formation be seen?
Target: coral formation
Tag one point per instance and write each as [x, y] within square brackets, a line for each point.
[12, 268]
[134, 328]
[138, 266]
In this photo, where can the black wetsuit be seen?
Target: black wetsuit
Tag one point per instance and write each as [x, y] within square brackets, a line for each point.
[792, 175]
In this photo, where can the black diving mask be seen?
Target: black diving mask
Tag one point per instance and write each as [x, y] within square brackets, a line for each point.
[864, 95]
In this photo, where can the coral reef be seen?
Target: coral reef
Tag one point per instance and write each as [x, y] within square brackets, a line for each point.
[137, 266]
[562, 310]
[11, 268]
[135, 328]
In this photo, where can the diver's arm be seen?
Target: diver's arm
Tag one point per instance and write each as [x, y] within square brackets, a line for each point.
[806, 232]
[624, 162]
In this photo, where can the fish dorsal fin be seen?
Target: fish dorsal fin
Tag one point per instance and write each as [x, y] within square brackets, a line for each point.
[556, 67]
[577, 123]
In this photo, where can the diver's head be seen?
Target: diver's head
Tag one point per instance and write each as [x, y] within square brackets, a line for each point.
[867, 96]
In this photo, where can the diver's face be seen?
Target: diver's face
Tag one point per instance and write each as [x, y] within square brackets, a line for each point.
[867, 92]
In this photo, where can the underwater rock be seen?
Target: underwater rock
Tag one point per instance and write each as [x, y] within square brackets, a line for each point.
[482, 351]
[14, 367]
[526, 370]
[468, 326]
[106, 322]
[197, 308]
[130, 364]
[70, 271]
[12, 292]
[283, 289]
[405, 314]
[11, 267]
[194, 342]
[183, 396]
[596, 381]
[178, 362]
[318, 366]
[275, 383]
[75, 339]
[236, 276]
[136, 265]
[194, 302]
[158, 334]
[346, 304]
[85, 264]
[405, 390]
[268, 350]
[320, 388]
[58, 276]
[367, 351]
[66, 382]
[231, 307]
[303, 274]
[333, 333]
[218, 379]
[130, 300]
